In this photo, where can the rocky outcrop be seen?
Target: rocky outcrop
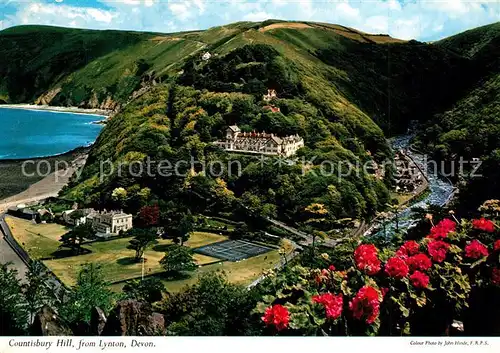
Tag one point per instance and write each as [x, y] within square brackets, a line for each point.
[134, 318]
[48, 96]
[47, 323]
[97, 321]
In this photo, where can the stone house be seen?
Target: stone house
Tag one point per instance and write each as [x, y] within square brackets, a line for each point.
[260, 142]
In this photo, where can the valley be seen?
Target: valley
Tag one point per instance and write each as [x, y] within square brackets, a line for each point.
[258, 164]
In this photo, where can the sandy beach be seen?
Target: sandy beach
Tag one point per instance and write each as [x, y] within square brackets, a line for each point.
[75, 110]
[45, 188]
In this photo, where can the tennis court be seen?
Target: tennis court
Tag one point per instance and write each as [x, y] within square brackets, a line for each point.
[232, 250]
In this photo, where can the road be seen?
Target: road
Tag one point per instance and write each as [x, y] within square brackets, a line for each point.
[307, 239]
[7, 254]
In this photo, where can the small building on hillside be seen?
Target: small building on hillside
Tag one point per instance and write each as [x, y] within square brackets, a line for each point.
[271, 108]
[24, 213]
[76, 217]
[260, 142]
[271, 93]
[206, 56]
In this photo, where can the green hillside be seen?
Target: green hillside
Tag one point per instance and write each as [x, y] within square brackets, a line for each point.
[339, 88]
[470, 127]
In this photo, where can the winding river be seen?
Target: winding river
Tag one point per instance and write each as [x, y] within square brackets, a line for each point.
[440, 191]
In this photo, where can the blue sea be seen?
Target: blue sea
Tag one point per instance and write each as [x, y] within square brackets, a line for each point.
[35, 133]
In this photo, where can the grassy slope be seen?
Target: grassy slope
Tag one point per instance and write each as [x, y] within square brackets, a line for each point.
[103, 68]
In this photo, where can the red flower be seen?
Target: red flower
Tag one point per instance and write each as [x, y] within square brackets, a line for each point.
[441, 230]
[333, 304]
[419, 262]
[475, 250]
[331, 268]
[366, 259]
[396, 267]
[384, 291]
[495, 276]
[419, 280]
[409, 248]
[366, 304]
[484, 225]
[277, 316]
[438, 249]
[496, 245]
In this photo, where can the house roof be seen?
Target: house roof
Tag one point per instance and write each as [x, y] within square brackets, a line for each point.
[234, 128]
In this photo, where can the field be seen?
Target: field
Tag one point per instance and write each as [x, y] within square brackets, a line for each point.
[242, 272]
[39, 240]
[42, 240]
[118, 262]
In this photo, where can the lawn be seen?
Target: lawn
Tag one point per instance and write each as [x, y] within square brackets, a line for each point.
[118, 262]
[39, 240]
[243, 272]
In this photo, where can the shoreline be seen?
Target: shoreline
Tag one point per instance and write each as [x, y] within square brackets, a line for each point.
[74, 110]
[76, 150]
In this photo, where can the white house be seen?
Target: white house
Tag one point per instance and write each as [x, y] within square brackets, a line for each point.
[206, 56]
[260, 142]
[102, 222]
[271, 93]
[112, 222]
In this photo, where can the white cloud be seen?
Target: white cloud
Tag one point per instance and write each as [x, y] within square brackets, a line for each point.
[345, 9]
[376, 24]
[181, 11]
[257, 16]
[420, 19]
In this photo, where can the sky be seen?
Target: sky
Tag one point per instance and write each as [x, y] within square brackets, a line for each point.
[423, 20]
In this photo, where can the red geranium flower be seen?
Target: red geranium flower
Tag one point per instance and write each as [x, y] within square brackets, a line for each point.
[366, 259]
[441, 230]
[484, 225]
[366, 304]
[496, 246]
[277, 316]
[409, 248]
[419, 262]
[333, 304]
[419, 279]
[396, 267]
[331, 268]
[495, 276]
[475, 250]
[438, 249]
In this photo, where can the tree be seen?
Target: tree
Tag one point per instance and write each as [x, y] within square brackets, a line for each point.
[177, 259]
[211, 307]
[13, 306]
[143, 238]
[75, 237]
[149, 290]
[76, 215]
[149, 215]
[37, 290]
[178, 226]
[91, 290]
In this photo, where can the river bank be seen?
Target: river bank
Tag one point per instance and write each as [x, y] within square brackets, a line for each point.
[440, 191]
[74, 110]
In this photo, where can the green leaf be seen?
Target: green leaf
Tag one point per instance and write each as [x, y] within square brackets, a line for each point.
[268, 299]
[260, 308]
[422, 300]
